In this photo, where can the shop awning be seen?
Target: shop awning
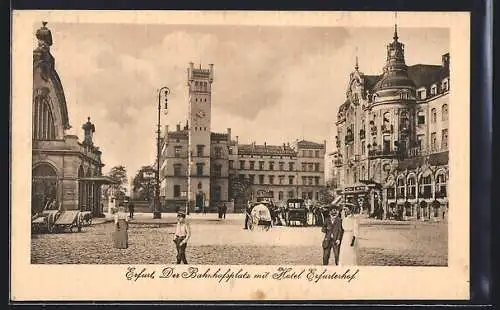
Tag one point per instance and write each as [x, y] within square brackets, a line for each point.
[100, 180]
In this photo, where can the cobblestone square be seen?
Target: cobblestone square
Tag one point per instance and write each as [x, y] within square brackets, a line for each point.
[225, 242]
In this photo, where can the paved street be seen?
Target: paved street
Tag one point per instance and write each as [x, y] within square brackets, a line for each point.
[225, 242]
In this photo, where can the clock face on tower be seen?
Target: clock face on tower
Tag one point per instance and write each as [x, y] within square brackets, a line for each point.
[201, 114]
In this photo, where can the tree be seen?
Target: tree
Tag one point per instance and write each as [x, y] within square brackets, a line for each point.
[240, 190]
[144, 183]
[326, 196]
[119, 173]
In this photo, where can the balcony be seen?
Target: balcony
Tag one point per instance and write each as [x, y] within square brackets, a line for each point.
[382, 154]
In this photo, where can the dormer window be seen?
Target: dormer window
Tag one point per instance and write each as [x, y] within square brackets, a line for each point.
[434, 90]
[421, 93]
[445, 85]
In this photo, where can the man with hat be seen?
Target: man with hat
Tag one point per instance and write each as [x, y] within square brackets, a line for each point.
[182, 235]
[333, 230]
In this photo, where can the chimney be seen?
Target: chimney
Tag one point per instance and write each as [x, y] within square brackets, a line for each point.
[178, 127]
[187, 125]
[229, 134]
[445, 59]
[237, 139]
[265, 144]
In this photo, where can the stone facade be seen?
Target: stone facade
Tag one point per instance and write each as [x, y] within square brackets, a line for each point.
[64, 170]
[392, 138]
[216, 162]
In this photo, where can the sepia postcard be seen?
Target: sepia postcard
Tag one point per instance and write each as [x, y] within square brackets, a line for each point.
[204, 156]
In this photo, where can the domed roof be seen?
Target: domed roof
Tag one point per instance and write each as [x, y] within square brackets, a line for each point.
[394, 79]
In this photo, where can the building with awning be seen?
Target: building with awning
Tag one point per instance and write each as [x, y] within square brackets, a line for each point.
[64, 169]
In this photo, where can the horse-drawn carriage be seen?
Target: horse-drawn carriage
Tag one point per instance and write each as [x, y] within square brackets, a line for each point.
[259, 214]
[55, 220]
[296, 211]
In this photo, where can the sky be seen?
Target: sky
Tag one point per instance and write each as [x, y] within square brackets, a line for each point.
[272, 84]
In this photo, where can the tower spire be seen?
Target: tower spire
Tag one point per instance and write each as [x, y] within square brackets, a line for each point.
[395, 26]
[356, 66]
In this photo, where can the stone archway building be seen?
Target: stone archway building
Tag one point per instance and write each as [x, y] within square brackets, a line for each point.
[64, 170]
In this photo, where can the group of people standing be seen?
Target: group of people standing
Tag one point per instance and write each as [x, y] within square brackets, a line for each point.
[340, 229]
[341, 237]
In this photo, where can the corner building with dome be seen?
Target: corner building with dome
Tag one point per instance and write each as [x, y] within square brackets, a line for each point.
[391, 154]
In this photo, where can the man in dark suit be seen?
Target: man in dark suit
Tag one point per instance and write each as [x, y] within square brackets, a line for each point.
[333, 236]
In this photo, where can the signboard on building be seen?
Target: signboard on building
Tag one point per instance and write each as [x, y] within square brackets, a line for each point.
[149, 174]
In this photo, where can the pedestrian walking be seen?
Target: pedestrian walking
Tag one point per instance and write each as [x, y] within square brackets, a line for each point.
[248, 209]
[333, 236]
[224, 210]
[131, 209]
[182, 235]
[120, 235]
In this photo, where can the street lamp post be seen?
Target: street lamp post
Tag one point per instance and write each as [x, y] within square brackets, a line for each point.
[157, 206]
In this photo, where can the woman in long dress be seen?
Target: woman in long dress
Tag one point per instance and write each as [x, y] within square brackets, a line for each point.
[120, 236]
[348, 255]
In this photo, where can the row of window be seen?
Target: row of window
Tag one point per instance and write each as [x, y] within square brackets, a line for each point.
[404, 122]
[261, 165]
[43, 122]
[199, 170]
[409, 188]
[281, 179]
[201, 86]
[387, 148]
[310, 153]
[444, 87]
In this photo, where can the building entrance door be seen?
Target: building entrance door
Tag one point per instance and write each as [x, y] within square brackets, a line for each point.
[199, 202]
[43, 187]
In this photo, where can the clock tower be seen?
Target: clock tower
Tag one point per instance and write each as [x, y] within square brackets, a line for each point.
[200, 97]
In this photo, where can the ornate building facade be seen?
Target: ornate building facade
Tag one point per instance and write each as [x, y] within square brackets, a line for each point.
[203, 167]
[64, 170]
[392, 138]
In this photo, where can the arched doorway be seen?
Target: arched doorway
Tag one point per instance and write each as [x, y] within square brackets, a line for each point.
[423, 210]
[407, 209]
[43, 187]
[436, 207]
[392, 210]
